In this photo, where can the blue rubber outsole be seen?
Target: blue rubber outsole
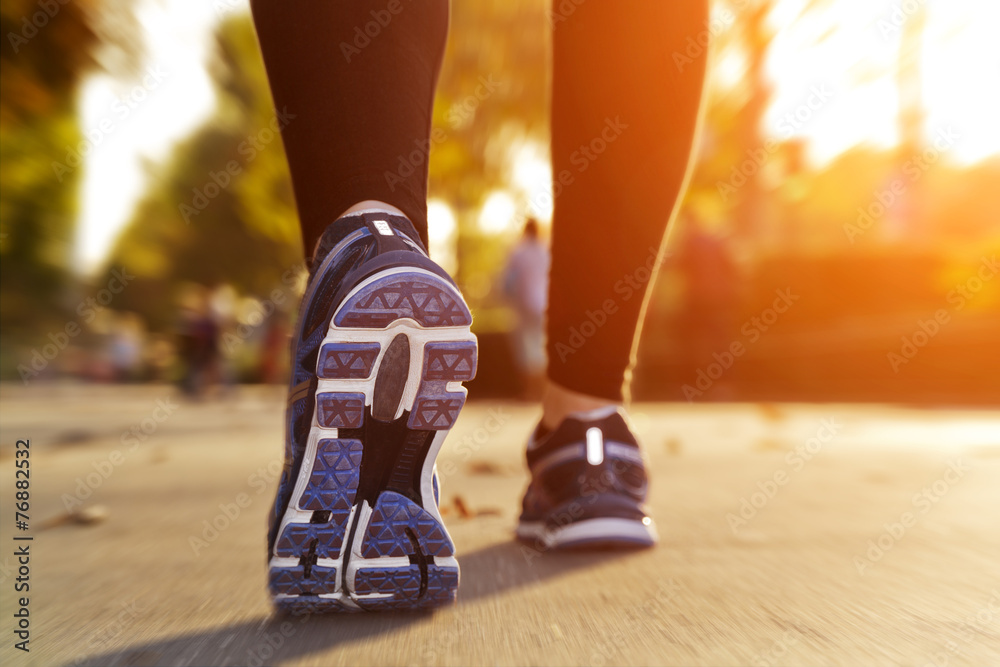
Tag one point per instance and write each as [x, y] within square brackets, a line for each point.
[361, 531]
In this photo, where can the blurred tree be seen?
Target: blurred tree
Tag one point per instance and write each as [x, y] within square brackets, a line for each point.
[44, 59]
[221, 210]
[492, 99]
[49, 50]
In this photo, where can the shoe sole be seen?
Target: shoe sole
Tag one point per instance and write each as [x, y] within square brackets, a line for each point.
[604, 533]
[362, 530]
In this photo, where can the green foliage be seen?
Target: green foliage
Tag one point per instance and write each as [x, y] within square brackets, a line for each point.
[221, 209]
[43, 60]
[492, 95]
[247, 235]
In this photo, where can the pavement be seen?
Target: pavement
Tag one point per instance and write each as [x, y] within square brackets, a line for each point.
[791, 534]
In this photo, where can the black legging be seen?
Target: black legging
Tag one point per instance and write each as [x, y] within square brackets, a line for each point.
[627, 84]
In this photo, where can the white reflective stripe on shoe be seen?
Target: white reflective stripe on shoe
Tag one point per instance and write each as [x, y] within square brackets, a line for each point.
[595, 446]
[611, 449]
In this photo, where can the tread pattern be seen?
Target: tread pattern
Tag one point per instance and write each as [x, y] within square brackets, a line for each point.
[340, 410]
[435, 414]
[435, 408]
[331, 488]
[335, 476]
[347, 361]
[423, 299]
[296, 539]
[403, 584]
[450, 362]
[310, 604]
[387, 529]
[292, 580]
[398, 526]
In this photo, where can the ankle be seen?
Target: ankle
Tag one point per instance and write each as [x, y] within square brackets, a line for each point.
[372, 205]
[334, 231]
[558, 403]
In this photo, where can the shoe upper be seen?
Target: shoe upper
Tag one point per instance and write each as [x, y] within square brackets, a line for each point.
[589, 467]
[352, 248]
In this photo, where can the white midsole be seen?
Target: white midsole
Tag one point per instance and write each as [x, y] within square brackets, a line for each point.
[609, 528]
[418, 336]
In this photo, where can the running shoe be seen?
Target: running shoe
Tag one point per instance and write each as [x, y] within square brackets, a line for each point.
[381, 348]
[588, 486]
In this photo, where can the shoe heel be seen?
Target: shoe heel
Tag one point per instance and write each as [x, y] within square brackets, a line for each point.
[406, 558]
[435, 407]
[363, 531]
[304, 575]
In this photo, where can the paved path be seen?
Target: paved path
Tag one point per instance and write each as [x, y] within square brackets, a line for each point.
[819, 569]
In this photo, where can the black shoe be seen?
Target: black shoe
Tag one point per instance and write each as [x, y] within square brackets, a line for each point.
[588, 486]
[381, 348]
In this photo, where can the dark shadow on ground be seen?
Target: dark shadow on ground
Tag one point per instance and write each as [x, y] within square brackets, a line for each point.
[489, 571]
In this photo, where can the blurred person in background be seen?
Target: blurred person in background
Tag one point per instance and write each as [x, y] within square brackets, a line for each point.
[525, 284]
[222, 312]
[383, 340]
[160, 353]
[197, 341]
[126, 344]
[272, 364]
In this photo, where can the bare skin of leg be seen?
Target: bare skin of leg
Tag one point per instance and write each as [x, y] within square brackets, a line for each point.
[559, 402]
[369, 204]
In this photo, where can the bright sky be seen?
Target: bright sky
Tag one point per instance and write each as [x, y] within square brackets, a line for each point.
[856, 64]
[853, 66]
[134, 122]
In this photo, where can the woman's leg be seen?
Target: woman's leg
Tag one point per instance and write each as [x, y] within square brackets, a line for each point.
[383, 339]
[625, 100]
[359, 78]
